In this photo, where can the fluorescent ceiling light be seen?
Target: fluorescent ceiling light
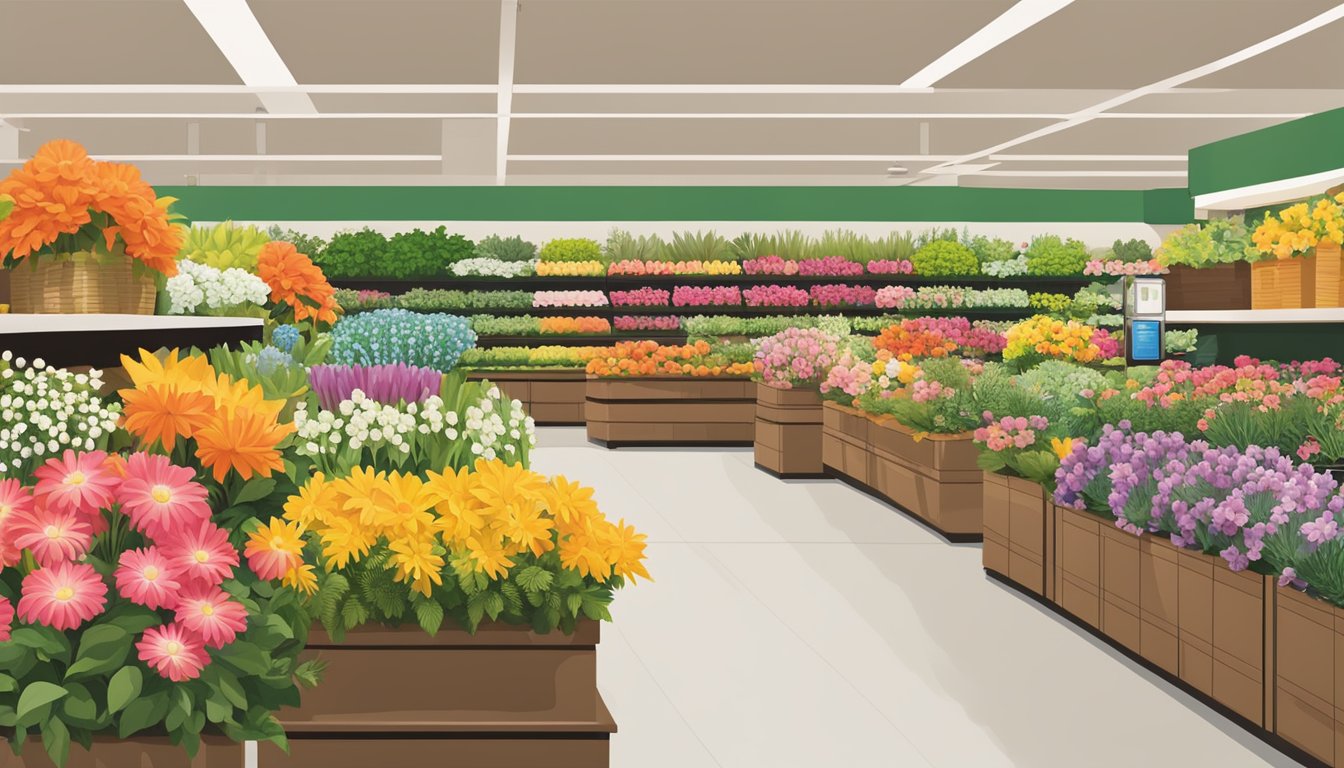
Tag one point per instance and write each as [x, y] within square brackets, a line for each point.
[1022, 16]
[239, 36]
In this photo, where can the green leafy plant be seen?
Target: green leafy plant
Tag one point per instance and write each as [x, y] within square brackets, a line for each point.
[749, 245]
[434, 300]
[424, 254]
[623, 246]
[489, 325]
[1049, 255]
[1131, 250]
[310, 245]
[225, 246]
[571, 249]
[1221, 241]
[506, 248]
[992, 250]
[354, 254]
[939, 258]
[793, 245]
[698, 246]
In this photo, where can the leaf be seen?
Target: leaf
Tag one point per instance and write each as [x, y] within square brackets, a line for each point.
[246, 657]
[47, 642]
[255, 489]
[37, 695]
[8, 683]
[231, 688]
[309, 673]
[102, 648]
[354, 613]
[56, 740]
[429, 614]
[143, 713]
[124, 687]
[79, 706]
[534, 578]
[180, 709]
[513, 601]
[575, 603]
[990, 461]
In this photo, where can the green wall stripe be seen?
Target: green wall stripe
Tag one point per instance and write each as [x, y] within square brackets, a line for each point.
[678, 204]
[1297, 148]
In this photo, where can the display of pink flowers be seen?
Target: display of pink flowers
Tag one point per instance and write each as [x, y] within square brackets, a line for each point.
[145, 577]
[843, 295]
[79, 483]
[158, 496]
[890, 267]
[849, 375]
[1116, 267]
[706, 296]
[62, 596]
[978, 337]
[52, 536]
[769, 265]
[646, 323]
[1010, 432]
[173, 651]
[796, 357]
[641, 297]
[207, 612]
[893, 296]
[202, 554]
[569, 299]
[776, 296]
[829, 266]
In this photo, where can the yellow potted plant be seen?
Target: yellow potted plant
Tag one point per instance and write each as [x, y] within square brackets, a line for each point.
[1301, 264]
[84, 236]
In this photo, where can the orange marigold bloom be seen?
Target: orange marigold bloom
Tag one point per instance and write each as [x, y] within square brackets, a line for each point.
[292, 275]
[162, 413]
[242, 440]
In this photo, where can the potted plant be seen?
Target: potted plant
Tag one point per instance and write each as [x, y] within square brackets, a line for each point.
[84, 236]
[1207, 266]
[1300, 263]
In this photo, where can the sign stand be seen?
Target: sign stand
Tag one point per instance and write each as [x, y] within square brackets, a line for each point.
[1145, 308]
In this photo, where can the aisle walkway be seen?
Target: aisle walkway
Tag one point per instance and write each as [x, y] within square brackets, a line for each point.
[805, 624]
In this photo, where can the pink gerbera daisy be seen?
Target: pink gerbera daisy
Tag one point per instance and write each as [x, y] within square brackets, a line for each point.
[159, 496]
[81, 483]
[145, 578]
[53, 537]
[62, 597]
[14, 497]
[200, 553]
[6, 619]
[173, 652]
[211, 615]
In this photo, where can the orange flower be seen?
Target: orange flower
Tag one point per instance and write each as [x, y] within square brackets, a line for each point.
[163, 413]
[292, 277]
[242, 440]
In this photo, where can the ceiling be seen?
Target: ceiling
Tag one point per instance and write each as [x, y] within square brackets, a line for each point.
[1036, 93]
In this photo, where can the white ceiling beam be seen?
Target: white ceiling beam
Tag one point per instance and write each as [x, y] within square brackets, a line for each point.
[1201, 115]
[643, 116]
[1175, 81]
[1022, 16]
[1086, 174]
[508, 41]
[239, 36]
[1090, 158]
[737, 89]
[722, 158]
[253, 158]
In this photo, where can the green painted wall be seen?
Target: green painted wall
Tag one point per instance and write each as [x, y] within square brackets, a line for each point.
[1159, 206]
[1297, 148]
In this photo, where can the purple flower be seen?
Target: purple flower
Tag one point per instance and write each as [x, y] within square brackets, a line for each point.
[387, 384]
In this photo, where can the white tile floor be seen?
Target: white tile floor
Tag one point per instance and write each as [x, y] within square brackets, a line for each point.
[803, 623]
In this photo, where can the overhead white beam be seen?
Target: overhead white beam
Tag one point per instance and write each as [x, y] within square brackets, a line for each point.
[239, 36]
[1012, 22]
[1085, 174]
[508, 39]
[742, 89]
[721, 158]
[646, 115]
[1269, 193]
[252, 158]
[1090, 158]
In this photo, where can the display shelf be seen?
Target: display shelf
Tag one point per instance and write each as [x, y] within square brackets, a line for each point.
[1051, 284]
[101, 340]
[509, 311]
[1324, 315]
[579, 340]
[534, 283]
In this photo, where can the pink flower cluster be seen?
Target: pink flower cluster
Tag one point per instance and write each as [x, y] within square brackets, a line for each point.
[646, 323]
[569, 299]
[775, 296]
[843, 295]
[890, 267]
[637, 268]
[1010, 432]
[706, 296]
[641, 297]
[1109, 347]
[1116, 267]
[367, 296]
[923, 391]
[893, 296]
[182, 568]
[830, 266]
[849, 375]
[769, 265]
[796, 356]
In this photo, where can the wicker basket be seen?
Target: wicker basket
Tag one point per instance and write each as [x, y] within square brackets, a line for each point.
[81, 284]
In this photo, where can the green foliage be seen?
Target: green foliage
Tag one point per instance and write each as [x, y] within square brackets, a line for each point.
[945, 258]
[714, 326]
[698, 246]
[990, 250]
[506, 248]
[6, 206]
[749, 245]
[949, 234]
[793, 245]
[1221, 241]
[489, 325]
[1051, 303]
[1048, 255]
[954, 412]
[354, 254]
[433, 300]
[404, 256]
[311, 245]
[1131, 250]
[224, 246]
[623, 246]
[571, 249]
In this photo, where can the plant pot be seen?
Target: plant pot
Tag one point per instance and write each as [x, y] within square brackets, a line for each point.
[670, 410]
[1309, 689]
[80, 284]
[487, 699]
[1221, 286]
[788, 431]
[1283, 283]
[138, 751]
[844, 442]
[1018, 533]
[935, 479]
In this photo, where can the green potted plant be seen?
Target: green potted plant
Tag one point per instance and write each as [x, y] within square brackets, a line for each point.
[1207, 266]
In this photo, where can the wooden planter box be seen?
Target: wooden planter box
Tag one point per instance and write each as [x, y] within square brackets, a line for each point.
[1309, 675]
[493, 698]
[1225, 652]
[552, 398]
[136, 752]
[1019, 534]
[936, 479]
[1077, 574]
[1223, 286]
[671, 411]
[788, 431]
[844, 442]
[1159, 593]
[1328, 280]
[1283, 283]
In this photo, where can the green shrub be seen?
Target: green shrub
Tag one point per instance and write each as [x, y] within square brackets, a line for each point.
[489, 325]
[623, 246]
[571, 249]
[354, 254]
[1222, 241]
[425, 254]
[700, 246]
[945, 257]
[506, 248]
[1131, 250]
[312, 245]
[430, 300]
[1049, 255]
[991, 250]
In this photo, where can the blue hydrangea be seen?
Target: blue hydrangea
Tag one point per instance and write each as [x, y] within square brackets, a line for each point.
[272, 359]
[285, 337]
[390, 336]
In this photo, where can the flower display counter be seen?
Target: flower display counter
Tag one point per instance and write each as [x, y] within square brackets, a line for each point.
[1019, 532]
[552, 398]
[101, 340]
[788, 432]
[671, 410]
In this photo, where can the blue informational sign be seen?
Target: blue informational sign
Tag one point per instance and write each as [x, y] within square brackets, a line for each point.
[1145, 340]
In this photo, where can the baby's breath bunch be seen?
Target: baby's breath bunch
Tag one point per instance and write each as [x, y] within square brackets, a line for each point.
[46, 410]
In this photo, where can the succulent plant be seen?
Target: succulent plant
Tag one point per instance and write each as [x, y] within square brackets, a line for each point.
[225, 246]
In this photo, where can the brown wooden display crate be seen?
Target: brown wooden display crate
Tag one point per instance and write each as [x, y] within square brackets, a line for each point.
[138, 751]
[671, 411]
[844, 442]
[935, 479]
[1222, 286]
[1077, 573]
[1018, 532]
[788, 432]
[551, 398]
[1328, 280]
[400, 695]
[1159, 592]
[1309, 675]
[1283, 283]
